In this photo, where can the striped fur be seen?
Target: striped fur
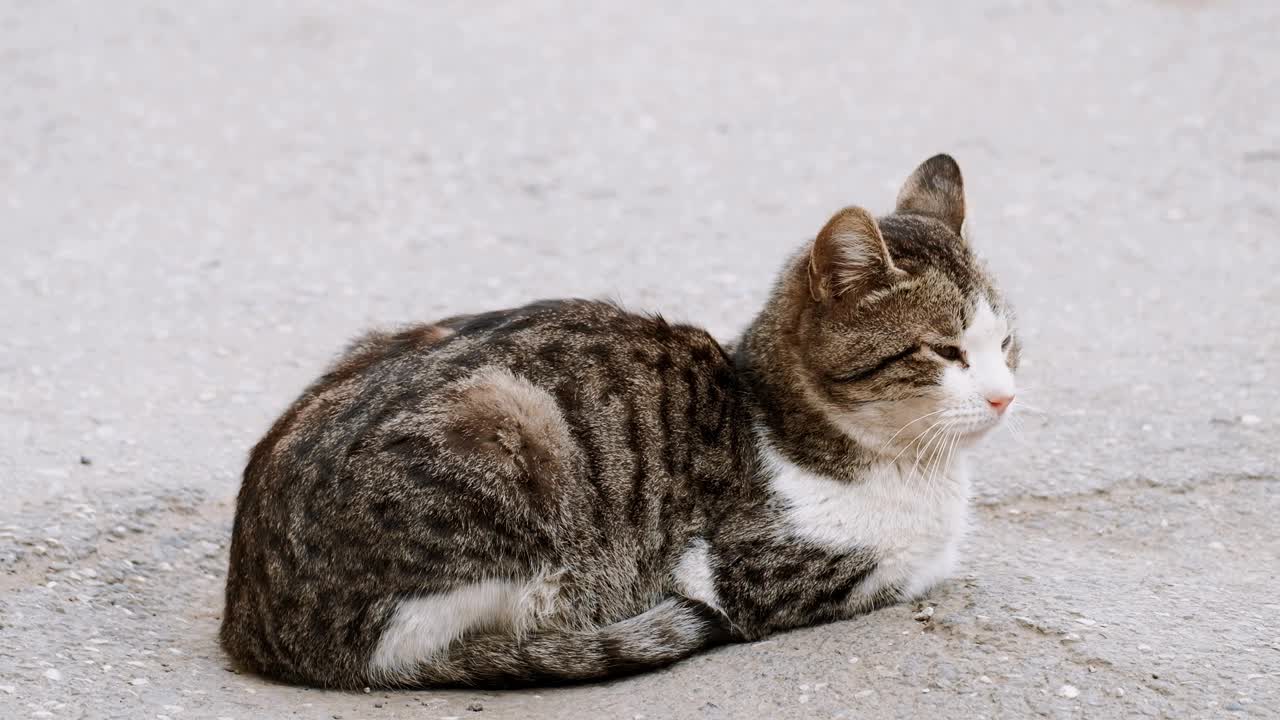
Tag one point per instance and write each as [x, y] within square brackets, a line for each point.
[568, 491]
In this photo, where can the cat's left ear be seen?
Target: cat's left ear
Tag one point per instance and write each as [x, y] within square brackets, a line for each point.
[849, 255]
[935, 189]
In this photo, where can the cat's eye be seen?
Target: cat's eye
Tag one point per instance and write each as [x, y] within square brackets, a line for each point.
[1007, 342]
[948, 352]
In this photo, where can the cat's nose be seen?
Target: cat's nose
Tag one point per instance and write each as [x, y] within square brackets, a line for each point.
[1000, 403]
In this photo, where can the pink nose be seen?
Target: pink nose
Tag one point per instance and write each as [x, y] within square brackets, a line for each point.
[1000, 403]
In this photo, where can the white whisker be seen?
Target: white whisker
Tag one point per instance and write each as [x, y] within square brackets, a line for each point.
[904, 427]
[943, 458]
[924, 451]
[916, 440]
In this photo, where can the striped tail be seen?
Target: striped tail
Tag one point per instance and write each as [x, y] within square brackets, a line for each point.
[672, 630]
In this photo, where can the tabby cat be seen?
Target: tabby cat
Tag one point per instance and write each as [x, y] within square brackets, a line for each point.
[569, 491]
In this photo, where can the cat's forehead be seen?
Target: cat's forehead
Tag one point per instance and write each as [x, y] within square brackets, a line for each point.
[917, 244]
[986, 321]
[943, 268]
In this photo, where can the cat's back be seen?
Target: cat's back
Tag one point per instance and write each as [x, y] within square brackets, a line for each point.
[581, 351]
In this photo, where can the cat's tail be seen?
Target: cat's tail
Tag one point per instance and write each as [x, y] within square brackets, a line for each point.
[670, 631]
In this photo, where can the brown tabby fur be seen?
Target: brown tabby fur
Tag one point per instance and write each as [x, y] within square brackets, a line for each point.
[575, 441]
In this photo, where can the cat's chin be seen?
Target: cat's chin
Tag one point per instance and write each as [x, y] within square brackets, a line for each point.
[974, 437]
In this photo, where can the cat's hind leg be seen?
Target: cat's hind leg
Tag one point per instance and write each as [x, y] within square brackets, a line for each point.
[421, 629]
[672, 630]
[515, 434]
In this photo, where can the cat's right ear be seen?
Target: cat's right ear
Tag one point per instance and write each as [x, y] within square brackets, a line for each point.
[935, 188]
[849, 255]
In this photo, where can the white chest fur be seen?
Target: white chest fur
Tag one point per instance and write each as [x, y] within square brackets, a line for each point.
[912, 521]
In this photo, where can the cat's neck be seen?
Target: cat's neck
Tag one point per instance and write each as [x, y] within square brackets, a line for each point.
[791, 426]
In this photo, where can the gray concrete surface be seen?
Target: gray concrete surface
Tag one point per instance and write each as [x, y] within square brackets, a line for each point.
[201, 201]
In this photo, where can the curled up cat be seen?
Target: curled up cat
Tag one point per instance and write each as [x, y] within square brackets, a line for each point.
[568, 491]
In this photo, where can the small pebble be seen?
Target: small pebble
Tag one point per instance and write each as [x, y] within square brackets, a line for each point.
[86, 460]
[1250, 419]
[377, 705]
[925, 615]
[53, 674]
[475, 707]
[1069, 691]
[139, 681]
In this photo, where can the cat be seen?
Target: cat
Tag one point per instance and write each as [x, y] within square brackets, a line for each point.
[568, 491]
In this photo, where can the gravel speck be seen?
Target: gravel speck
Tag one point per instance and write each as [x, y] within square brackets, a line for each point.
[1069, 691]
[53, 674]
[475, 707]
[925, 615]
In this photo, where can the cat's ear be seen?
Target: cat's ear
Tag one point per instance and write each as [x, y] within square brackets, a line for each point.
[936, 189]
[849, 255]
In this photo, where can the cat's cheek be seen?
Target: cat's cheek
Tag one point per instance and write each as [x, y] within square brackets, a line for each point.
[957, 387]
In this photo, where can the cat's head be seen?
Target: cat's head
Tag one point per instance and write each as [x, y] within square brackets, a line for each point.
[901, 332]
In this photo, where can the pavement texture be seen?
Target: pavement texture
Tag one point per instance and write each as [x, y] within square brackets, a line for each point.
[200, 202]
